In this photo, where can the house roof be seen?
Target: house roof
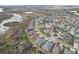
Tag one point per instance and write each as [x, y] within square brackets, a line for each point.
[40, 40]
[47, 46]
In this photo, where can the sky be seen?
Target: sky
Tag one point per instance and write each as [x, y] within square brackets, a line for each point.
[39, 2]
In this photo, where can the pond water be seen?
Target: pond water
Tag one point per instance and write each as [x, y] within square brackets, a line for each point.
[15, 18]
[1, 9]
[28, 12]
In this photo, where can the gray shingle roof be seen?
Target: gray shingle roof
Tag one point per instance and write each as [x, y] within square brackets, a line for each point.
[47, 46]
[39, 41]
